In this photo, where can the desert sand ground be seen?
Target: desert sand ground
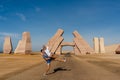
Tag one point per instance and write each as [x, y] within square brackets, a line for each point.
[13, 64]
[83, 67]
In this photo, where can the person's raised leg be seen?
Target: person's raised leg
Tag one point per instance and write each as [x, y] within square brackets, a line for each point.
[61, 60]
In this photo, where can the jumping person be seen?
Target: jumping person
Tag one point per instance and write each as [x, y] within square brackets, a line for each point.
[48, 56]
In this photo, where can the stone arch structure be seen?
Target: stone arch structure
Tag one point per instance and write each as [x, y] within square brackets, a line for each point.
[79, 44]
[59, 50]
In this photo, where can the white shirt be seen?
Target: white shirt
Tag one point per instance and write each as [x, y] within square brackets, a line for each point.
[47, 51]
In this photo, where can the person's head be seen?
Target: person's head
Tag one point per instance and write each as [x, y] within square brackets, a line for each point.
[41, 50]
[44, 47]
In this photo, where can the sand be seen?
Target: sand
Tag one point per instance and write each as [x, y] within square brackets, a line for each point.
[83, 67]
[17, 63]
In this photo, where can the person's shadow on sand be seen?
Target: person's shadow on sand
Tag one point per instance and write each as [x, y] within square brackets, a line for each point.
[60, 69]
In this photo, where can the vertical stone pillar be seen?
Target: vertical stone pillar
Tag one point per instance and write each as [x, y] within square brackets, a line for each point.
[102, 47]
[7, 47]
[24, 46]
[96, 44]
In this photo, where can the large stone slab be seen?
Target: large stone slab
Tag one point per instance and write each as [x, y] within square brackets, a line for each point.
[77, 35]
[58, 51]
[7, 47]
[76, 50]
[102, 47]
[52, 41]
[81, 47]
[82, 43]
[18, 48]
[24, 46]
[67, 44]
[57, 44]
[96, 44]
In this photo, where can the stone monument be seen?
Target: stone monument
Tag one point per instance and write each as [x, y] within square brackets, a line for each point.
[55, 41]
[96, 44]
[99, 45]
[79, 44]
[24, 46]
[102, 47]
[7, 47]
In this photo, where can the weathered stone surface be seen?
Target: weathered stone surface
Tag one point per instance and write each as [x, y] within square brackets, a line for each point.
[7, 47]
[58, 51]
[102, 47]
[57, 44]
[76, 50]
[52, 41]
[79, 44]
[81, 48]
[96, 44]
[77, 35]
[24, 46]
[18, 48]
[111, 48]
[67, 44]
[117, 51]
[83, 45]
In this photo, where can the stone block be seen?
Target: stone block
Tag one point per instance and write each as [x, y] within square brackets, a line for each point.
[58, 51]
[57, 44]
[77, 35]
[96, 44]
[76, 50]
[54, 38]
[82, 43]
[24, 46]
[81, 48]
[102, 47]
[18, 48]
[67, 44]
[7, 47]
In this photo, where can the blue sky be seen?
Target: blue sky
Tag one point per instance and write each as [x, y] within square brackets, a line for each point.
[42, 18]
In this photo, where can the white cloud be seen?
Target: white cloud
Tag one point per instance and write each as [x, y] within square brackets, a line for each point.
[14, 35]
[3, 18]
[37, 9]
[21, 16]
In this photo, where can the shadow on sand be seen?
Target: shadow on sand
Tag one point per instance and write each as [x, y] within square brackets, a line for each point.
[59, 69]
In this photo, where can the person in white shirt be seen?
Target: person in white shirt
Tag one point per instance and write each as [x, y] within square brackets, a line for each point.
[48, 57]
